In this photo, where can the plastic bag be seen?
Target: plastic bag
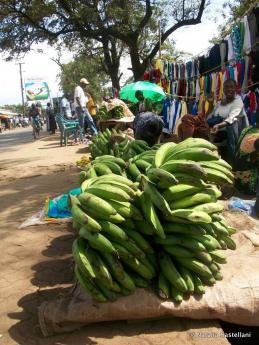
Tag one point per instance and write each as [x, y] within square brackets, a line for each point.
[246, 206]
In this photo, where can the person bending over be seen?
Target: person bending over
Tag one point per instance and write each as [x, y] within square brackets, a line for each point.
[148, 126]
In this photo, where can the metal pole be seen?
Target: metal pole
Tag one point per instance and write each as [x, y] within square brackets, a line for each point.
[159, 32]
[21, 78]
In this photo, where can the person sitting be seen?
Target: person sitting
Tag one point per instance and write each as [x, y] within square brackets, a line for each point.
[246, 164]
[148, 126]
[144, 104]
[228, 116]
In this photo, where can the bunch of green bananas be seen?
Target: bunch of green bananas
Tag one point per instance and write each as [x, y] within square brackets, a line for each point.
[115, 143]
[103, 113]
[106, 143]
[103, 165]
[160, 227]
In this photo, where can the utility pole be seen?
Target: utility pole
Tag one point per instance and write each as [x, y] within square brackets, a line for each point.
[21, 78]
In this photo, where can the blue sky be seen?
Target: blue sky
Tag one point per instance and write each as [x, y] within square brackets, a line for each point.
[192, 39]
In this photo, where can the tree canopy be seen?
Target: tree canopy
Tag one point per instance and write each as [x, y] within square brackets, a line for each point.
[108, 24]
[82, 67]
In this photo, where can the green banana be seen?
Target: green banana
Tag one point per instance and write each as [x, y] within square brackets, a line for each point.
[194, 215]
[142, 164]
[113, 230]
[102, 169]
[95, 202]
[80, 217]
[192, 200]
[184, 166]
[126, 209]
[162, 178]
[156, 198]
[179, 228]
[119, 185]
[162, 153]
[195, 154]
[118, 272]
[141, 242]
[139, 281]
[113, 177]
[198, 285]
[211, 207]
[89, 286]
[98, 241]
[218, 276]
[180, 191]
[181, 240]
[144, 227]
[229, 242]
[195, 142]
[195, 266]
[170, 272]
[187, 276]
[217, 177]
[116, 160]
[109, 192]
[213, 267]
[151, 215]
[204, 257]
[149, 265]
[218, 256]
[132, 247]
[114, 167]
[117, 218]
[219, 167]
[219, 229]
[208, 281]
[138, 267]
[78, 250]
[163, 287]
[108, 293]
[208, 241]
[133, 171]
[176, 294]
[123, 252]
[178, 251]
[102, 274]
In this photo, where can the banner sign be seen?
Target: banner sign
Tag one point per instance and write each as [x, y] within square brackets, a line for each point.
[36, 90]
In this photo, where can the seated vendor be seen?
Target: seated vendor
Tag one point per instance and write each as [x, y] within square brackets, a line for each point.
[144, 104]
[246, 164]
[228, 116]
[148, 126]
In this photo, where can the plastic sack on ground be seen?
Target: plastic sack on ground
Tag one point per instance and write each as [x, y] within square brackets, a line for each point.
[246, 206]
[55, 211]
[235, 299]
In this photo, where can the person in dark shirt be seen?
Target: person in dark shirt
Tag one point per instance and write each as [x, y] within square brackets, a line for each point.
[148, 126]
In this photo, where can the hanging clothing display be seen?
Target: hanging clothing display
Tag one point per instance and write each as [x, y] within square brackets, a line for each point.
[236, 57]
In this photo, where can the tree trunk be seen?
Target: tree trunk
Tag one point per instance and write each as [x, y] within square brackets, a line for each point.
[138, 68]
[114, 74]
[112, 63]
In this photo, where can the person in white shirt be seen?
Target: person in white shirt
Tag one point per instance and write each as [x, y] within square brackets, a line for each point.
[224, 121]
[65, 107]
[82, 112]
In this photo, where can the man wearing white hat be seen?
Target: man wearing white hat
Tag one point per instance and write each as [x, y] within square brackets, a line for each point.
[82, 112]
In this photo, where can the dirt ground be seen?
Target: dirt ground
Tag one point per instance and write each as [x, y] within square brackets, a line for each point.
[36, 263]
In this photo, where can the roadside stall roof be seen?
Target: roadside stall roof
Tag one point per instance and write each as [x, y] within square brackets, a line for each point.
[4, 114]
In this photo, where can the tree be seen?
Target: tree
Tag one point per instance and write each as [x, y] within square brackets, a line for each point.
[133, 22]
[235, 9]
[79, 68]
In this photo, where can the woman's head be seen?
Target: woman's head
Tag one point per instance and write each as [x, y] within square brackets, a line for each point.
[229, 89]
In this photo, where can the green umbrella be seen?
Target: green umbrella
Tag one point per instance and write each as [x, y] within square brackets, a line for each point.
[150, 90]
